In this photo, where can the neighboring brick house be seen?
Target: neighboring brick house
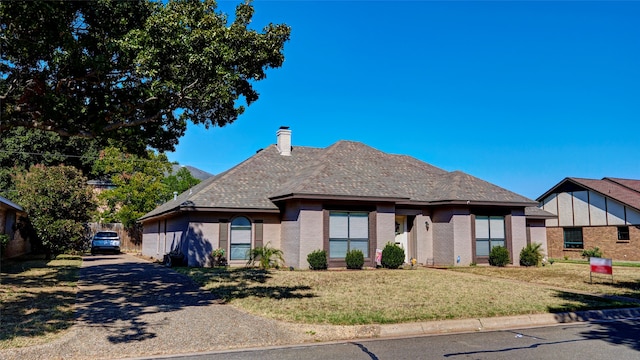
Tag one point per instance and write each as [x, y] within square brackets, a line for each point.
[594, 213]
[10, 214]
[346, 196]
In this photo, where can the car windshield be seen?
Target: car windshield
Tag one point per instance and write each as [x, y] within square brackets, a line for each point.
[107, 234]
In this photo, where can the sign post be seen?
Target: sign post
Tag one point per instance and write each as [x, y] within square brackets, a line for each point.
[600, 266]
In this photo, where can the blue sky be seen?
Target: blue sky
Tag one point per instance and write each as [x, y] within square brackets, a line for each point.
[520, 94]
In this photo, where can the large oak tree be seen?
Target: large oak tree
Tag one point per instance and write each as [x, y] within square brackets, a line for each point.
[132, 71]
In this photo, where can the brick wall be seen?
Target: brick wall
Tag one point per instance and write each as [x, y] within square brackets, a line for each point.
[604, 237]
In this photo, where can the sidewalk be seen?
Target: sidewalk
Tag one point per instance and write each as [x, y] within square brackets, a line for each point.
[128, 307]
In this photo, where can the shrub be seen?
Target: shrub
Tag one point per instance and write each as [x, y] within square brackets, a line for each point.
[317, 260]
[354, 259]
[392, 256]
[595, 252]
[499, 256]
[531, 255]
[266, 256]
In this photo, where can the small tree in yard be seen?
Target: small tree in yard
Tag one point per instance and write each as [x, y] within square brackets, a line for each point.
[59, 203]
[354, 259]
[266, 256]
[531, 255]
[589, 253]
[317, 260]
[499, 256]
[392, 256]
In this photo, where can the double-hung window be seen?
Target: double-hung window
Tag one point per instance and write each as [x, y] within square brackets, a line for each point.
[240, 239]
[489, 233]
[348, 231]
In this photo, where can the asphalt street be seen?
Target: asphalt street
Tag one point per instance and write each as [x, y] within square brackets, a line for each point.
[612, 339]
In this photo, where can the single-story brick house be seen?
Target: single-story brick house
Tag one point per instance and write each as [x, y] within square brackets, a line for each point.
[346, 196]
[10, 214]
[593, 213]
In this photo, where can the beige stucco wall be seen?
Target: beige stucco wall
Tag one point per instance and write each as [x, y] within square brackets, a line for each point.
[312, 236]
[588, 208]
[462, 237]
[425, 239]
[385, 225]
[518, 234]
[538, 234]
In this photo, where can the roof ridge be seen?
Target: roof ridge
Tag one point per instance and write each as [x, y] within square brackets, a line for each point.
[318, 164]
[617, 182]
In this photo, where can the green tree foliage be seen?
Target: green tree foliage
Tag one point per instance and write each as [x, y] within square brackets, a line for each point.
[132, 71]
[20, 148]
[59, 203]
[317, 260]
[589, 253]
[392, 256]
[531, 255]
[266, 256]
[354, 259]
[179, 182]
[138, 184]
[499, 256]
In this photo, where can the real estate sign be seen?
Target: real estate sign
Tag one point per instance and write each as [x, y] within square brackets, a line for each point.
[601, 266]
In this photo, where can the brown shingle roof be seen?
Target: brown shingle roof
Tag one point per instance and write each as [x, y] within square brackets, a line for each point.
[612, 189]
[345, 169]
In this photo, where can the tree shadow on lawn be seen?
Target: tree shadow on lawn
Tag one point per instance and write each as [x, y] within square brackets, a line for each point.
[37, 298]
[619, 327]
[228, 284]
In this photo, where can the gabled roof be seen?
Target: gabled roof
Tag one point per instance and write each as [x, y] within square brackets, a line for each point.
[345, 170]
[626, 191]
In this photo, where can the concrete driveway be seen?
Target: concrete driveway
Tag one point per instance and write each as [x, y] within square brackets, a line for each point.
[129, 307]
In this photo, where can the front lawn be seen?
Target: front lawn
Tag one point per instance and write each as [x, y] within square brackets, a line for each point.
[36, 299]
[568, 275]
[381, 296]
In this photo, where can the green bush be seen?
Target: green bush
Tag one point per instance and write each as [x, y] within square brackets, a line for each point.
[595, 252]
[531, 255]
[392, 256]
[266, 256]
[354, 259]
[317, 260]
[499, 256]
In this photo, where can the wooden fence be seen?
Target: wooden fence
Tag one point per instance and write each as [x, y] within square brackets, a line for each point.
[127, 244]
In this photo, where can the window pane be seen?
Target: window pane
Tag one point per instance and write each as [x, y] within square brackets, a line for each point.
[338, 225]
[482, 227]
[239, 252]
[337, 248]
[240, 221]
[360, 245]
[482, 247]
[573, 238]
[240, 236]
[623, 233]
[496, 227]
[359, 226]
[495, 243]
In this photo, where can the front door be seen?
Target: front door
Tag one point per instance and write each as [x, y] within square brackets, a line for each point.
[401, 235]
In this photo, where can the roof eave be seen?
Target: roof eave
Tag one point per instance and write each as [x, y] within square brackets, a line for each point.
[185, 208]
[338, 197]
[483, 203]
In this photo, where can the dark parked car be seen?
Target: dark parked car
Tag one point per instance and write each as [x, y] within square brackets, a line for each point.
[105, 241]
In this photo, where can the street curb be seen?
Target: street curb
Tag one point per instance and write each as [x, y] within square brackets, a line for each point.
[503, 323]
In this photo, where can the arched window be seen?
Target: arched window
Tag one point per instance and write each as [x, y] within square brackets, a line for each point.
[240, 239]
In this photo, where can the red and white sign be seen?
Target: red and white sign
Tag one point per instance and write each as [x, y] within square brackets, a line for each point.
[601, 266]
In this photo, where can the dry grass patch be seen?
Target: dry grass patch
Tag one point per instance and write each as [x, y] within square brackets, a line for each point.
[382, 296]
[36, 300]
[568, 276]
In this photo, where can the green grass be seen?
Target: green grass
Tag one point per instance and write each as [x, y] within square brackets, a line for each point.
[36, 299]
[386, 296]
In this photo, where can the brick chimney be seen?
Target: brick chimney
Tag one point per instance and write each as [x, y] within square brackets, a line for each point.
[284, 141]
